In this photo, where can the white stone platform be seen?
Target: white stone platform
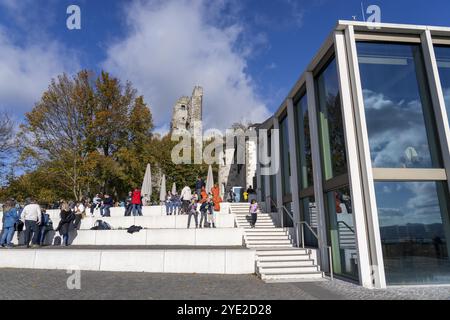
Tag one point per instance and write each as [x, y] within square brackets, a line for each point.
[161, 237]
[208, 261]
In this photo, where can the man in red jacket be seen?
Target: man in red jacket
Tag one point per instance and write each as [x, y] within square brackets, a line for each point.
[136, 202]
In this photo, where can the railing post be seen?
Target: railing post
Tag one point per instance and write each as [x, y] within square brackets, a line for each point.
[303, 236]
[282, 217]
[297, 236]
[330, 263]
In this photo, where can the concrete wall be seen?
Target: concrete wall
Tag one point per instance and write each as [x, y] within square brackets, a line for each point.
[208, 261]
[160, 237]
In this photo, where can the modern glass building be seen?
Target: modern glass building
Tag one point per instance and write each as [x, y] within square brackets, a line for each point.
[364, 142]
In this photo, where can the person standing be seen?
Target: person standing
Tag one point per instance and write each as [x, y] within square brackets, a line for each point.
[251, 194]
[199, 184]
[254, 208]
[128, 204]
[31, 215]
[216, 200]
[176, 203]
[186, 197]
[65, 225]
[231, 196]
[168, 203]
[44, 227]
[136, 201]
[192, 211]
[205, 208]
[10, 217]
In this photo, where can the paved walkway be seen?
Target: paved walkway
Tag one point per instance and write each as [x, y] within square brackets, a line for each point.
[44, 284]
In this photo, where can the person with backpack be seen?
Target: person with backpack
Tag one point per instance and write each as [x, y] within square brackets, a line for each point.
[65, 225]
[45, 226]
[176, 203]
[96, 203]
[192, 211]
[10, 218]
[231, 196]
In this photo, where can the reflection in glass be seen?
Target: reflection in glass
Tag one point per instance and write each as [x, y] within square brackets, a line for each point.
[304, 144]
[285, 157]
[330, 123]
[342, 232]
[272, 180]
[414, 229]
[311, 216]
[400, 120]
[443, 62]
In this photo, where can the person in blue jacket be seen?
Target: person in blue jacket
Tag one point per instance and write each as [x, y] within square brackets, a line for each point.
[11, 216]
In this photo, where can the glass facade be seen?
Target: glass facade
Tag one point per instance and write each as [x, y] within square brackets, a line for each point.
[414, 228]
[334, 159]
[341, 231]
[443, 61]
[411, 198]
[305, 172]
[285, 157]
[397, 104]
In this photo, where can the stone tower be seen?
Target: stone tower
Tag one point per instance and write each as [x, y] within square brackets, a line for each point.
[186, 111]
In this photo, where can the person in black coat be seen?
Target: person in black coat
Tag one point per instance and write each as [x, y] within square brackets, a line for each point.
[66, 223]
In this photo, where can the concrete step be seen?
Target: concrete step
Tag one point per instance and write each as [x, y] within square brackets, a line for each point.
[268, 241]
[285, 263]
[287, 270]
[281, 252]
[266, 237]
[267, 245]
[265, 233]
[295, 277]
[259, 230]
[278, 258]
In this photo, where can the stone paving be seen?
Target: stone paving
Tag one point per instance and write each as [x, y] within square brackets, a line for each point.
[45, 284]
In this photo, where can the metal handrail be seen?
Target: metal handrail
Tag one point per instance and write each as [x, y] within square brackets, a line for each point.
[290, 216]
[348, 227]
[302, 224]
[330, 255]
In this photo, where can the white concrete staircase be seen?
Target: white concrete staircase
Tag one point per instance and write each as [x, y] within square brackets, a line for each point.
[277, 260]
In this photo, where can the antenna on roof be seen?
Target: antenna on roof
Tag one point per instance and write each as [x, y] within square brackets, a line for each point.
[362, 11]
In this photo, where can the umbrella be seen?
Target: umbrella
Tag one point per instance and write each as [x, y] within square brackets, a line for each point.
[146, 189]
[162, 190]
[209, 180]
[174, 188]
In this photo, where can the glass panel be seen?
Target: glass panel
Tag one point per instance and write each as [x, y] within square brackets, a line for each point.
[400, 119]
[305, 173]
[342, 232]
[330, 123]
[414, 229]
[288, 223]
[443, 62]
[311, 216]
[285, 157]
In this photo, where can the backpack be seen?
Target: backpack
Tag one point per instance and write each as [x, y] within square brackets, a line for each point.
[101, 225]
[134, 229]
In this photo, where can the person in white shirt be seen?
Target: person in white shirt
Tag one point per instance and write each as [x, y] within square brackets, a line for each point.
[31, 216]
[186, 197]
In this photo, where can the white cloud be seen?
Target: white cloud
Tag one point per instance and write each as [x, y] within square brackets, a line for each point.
[172, 46]
[26, 71]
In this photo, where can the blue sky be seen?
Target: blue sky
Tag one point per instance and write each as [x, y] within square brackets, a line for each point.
[247, 54]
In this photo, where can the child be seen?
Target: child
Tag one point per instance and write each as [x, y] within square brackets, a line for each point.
[254, 212]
